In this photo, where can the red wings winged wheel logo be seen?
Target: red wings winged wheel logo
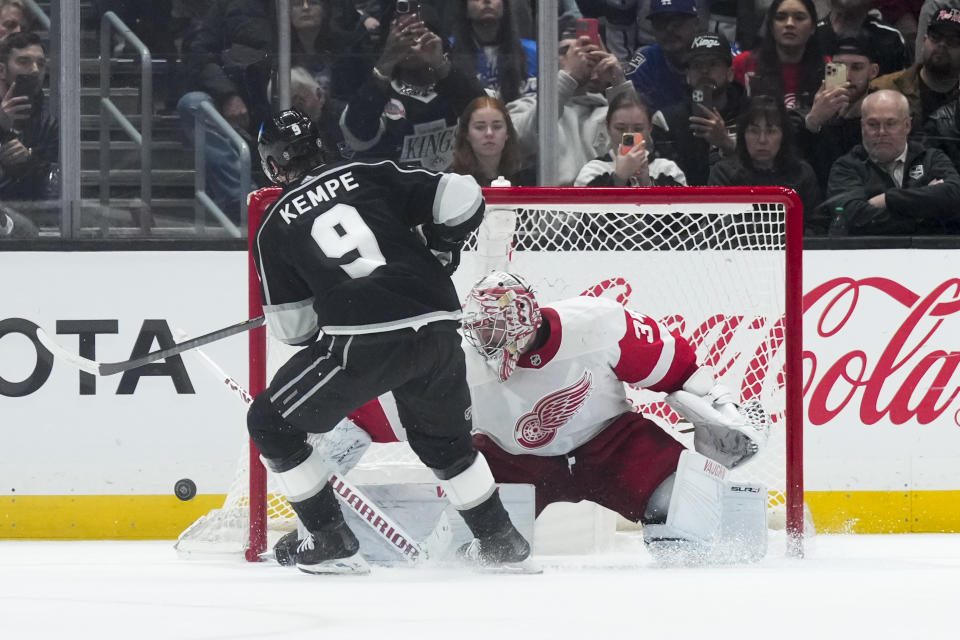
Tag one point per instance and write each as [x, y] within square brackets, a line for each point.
[539, 427]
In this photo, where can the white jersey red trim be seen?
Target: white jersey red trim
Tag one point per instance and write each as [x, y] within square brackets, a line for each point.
[571, 388]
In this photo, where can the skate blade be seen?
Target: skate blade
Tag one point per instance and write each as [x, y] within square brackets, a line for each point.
[354, 565]
[267, 556]
[524, 567]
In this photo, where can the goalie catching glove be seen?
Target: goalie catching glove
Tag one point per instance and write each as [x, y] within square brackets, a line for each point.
[724, 430]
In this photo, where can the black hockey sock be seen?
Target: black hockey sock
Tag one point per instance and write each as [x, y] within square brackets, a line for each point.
[320, 512]
[488, 517]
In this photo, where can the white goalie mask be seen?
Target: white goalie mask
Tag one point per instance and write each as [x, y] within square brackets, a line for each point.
[500, 318]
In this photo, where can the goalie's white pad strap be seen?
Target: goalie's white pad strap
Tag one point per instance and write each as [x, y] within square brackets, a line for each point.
[306, 479]
[470, 487]
[344, 445]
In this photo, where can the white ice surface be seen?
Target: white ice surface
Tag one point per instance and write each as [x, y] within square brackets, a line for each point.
[848, 586]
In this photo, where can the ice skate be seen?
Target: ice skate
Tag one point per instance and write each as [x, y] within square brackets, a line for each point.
[284, 550]
[331, 551]
[503, 552]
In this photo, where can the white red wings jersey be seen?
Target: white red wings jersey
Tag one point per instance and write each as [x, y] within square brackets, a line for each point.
[571, 388]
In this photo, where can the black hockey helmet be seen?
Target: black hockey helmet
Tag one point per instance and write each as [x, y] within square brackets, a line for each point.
[289, 146]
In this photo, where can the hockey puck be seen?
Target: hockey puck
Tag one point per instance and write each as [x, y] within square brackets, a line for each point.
[185, 489]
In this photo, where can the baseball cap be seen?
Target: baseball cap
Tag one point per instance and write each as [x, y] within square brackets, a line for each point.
[710, 44]
[860, 45]
[673, 6]
[945, 19]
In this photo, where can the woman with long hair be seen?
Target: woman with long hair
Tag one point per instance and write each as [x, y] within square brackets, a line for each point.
[486, 44]
[638, 166]
[486, 146]
[766, 155]
[328, 41]
[788, 64]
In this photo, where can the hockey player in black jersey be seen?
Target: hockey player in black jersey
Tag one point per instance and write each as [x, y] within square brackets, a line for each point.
[360, 254]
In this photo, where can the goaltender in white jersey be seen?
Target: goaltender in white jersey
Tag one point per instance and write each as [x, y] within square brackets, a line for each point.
[591, 347]
[550, 409]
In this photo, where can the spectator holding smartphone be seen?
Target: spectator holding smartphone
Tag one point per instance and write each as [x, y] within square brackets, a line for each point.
[832, 127]
[701, 130]
[407, 109]
[588, 79]
[29, 134]
[631, 160]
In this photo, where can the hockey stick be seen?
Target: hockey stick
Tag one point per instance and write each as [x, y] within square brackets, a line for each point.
[372, 515]
[111, 368]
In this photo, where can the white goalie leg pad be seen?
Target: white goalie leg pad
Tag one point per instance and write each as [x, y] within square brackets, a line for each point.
[306, 479]
[709, 520]
[743, 527]
[695, 510]
[471, 486]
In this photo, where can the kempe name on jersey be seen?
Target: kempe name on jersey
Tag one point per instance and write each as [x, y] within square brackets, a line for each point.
[321, 191]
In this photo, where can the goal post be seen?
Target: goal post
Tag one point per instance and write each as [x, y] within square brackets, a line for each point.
[722, 266]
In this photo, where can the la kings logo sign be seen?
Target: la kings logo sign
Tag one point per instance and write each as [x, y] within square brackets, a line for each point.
[430, 145]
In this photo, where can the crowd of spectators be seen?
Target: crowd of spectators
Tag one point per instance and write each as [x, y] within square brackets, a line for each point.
[715, 93]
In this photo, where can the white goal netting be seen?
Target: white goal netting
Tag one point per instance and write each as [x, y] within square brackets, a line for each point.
[713, 270]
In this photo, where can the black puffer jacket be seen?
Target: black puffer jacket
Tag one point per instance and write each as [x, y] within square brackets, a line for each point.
[916, 208]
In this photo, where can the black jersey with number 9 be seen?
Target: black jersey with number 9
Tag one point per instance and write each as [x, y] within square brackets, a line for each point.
[339, 250]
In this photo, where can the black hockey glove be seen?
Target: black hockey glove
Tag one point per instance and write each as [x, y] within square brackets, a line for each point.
[447, 252]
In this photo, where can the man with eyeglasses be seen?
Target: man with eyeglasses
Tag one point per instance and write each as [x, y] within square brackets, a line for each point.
[889, 185]
[931, 82]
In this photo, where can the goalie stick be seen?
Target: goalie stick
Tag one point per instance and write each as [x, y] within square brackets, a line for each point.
[353, 498]
[111, 368]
